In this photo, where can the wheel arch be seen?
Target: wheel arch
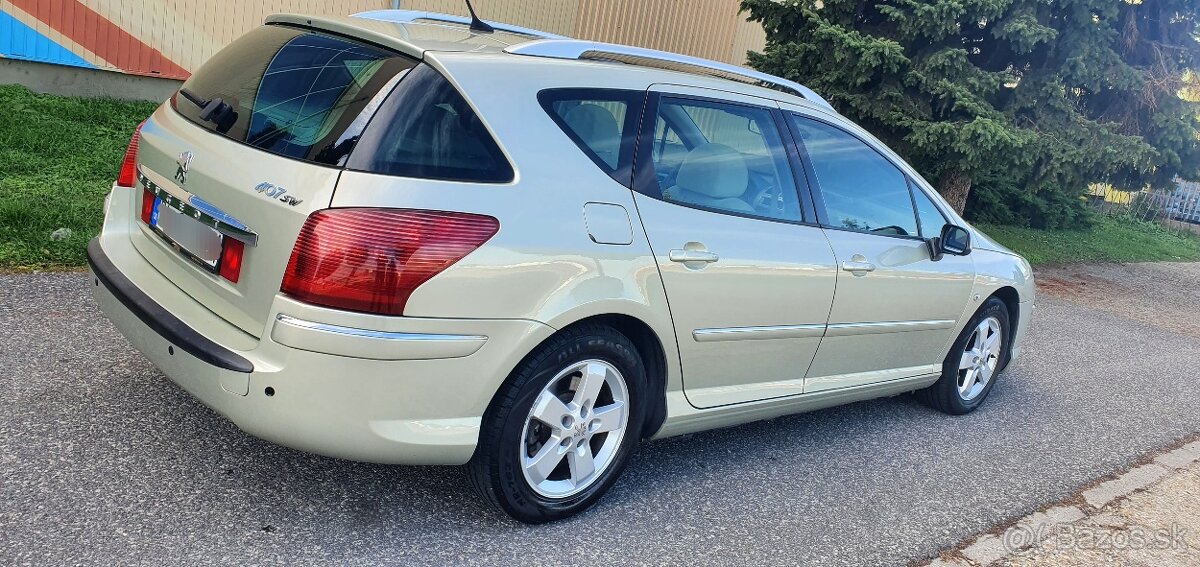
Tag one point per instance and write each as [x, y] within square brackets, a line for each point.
[652, 352]
[1011, 299]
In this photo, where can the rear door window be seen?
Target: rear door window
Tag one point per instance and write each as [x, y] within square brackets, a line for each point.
[723, 157]
[602, 122]
[292, 92]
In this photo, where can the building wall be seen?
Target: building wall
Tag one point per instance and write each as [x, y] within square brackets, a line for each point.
[169, 38]
[157, 38]
[555, 16]
[712, 29]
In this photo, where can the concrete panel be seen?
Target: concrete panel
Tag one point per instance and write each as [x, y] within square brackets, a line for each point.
[79, 81]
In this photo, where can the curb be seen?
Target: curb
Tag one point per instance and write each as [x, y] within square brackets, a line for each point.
[1026, 532]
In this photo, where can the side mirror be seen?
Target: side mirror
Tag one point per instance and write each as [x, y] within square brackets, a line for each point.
[954, 240]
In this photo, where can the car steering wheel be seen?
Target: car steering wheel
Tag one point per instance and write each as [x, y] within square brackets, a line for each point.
[768, 201]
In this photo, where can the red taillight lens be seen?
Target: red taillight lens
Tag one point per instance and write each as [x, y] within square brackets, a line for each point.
[147, 205]
[128, 174]
[371, 260]
[231, 259]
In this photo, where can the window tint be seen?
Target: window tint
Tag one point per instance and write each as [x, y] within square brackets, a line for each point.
[291, 92]
[931, 218]
[426, 129]
[723, 157]
[862, 190]
[600, 121]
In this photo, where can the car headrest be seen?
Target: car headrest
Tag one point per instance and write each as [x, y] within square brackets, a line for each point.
[598, 129]
[714, 170]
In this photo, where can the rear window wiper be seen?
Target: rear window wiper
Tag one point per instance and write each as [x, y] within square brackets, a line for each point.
[213, 110]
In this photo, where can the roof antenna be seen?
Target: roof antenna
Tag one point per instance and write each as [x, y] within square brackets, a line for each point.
[476, 23]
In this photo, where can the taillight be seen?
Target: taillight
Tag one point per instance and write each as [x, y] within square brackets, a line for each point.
[372, 260]
[231, 259]
[129, 165]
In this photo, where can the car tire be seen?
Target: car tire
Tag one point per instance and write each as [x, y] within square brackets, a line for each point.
[550, 420]
[974, 363]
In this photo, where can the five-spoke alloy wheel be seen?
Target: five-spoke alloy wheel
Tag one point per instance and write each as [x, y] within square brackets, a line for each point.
[559, 431]
[574, 428]
[980, 358]
[979, 353]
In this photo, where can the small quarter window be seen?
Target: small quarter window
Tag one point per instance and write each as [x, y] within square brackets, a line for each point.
[602, 122]
[932, 220]
[426, 129]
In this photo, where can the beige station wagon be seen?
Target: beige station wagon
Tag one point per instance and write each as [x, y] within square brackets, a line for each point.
[414, 238]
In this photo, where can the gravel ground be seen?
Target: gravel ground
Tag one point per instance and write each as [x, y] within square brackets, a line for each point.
[1158, 527]
[104, 461]
[1160, 294]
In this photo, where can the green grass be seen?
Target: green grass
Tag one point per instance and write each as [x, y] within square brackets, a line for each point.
[1112, 239]
[58, 158]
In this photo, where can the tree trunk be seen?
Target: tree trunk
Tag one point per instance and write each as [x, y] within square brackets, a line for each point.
[955, 185]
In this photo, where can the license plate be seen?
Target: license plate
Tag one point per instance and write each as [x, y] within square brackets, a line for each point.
[200, 243]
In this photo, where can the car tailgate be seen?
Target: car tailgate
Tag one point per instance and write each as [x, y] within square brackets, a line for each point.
[270, 195]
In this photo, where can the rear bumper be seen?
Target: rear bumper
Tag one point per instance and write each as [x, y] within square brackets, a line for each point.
[415, 393]
[167, 326]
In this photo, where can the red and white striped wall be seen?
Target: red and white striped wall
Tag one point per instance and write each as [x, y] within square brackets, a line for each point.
[158, 38]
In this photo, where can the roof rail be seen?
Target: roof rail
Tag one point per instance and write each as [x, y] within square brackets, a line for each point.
[416, 16]
[581, 49]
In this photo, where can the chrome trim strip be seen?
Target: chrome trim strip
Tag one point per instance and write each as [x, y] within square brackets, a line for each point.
[583, 49]
[846, 329]
[415, 17]
[757, 333]
[835, 382]
[805, 331]
[204, 212]
[372, 334]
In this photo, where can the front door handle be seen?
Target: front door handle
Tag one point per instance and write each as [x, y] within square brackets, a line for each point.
[684, 255]
[858, 268]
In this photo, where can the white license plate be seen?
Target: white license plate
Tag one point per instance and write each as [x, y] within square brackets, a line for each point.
[199, 242]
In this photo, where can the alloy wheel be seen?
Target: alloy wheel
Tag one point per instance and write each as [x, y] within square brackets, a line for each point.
[980, 357]
[574, 429]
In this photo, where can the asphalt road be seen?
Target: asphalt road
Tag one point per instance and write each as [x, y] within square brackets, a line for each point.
[105, 462]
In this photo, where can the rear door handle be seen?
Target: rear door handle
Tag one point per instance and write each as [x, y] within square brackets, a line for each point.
[678, 255]
[858, 267]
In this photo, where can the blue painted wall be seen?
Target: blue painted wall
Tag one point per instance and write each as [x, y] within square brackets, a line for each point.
[19, 41]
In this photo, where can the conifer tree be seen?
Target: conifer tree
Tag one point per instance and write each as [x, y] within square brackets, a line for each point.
[1026, 101]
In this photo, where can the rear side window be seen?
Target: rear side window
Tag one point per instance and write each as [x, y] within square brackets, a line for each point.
[291, 92]
[425, 128]
[602, 122]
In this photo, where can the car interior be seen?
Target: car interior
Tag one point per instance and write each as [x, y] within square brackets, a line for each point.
[723, 157]
[598, 128]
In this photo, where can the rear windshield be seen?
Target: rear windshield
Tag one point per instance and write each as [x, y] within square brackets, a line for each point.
[331, 100]
[292, 92]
